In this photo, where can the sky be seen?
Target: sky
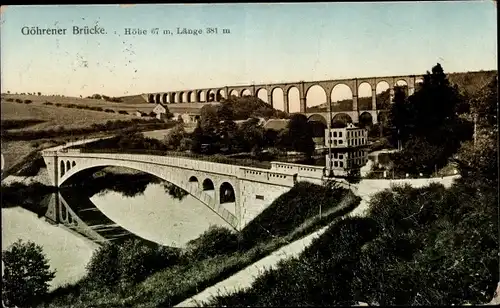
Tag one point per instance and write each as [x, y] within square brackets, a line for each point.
[267, 43]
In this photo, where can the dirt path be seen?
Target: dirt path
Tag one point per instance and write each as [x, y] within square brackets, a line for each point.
[245, 277]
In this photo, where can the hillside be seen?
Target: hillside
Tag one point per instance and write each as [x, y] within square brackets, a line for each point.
[251, 106]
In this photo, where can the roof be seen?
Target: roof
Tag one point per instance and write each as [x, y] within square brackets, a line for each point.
[276, 124]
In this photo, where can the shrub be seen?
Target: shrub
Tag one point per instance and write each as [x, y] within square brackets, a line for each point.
[103, 268]
[122, 112]
[215, 241]
[9, 99]
[19, 100]
[134, 259]
[26, 274]
[109, 110]
[48, 103]
[58, 104]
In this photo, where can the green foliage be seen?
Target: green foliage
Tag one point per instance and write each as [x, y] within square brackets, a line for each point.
[112, 265]
[250, 106]
[173, 138]
[300, 136]
[428, 125]
[26, 274]
[215, 241]
[103, 268]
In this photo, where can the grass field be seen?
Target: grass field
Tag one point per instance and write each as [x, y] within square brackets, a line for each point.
[54, 116]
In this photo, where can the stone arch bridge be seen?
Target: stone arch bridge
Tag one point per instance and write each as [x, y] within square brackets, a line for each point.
[217, 93]
[236, 193]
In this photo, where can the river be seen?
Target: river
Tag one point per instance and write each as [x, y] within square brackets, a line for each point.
[110, 214]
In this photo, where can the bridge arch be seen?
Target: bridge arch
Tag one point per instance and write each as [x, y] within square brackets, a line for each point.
[63, 171]
[151, 99]
[341, 97]
[315, 96]
[293, 94]
[73, 164]
[278, 99]
[365, 119]
[158, 97]
[262, 95]
[68, 165]
[365, 96]
[226, 193]
[341, 120]
[164, 98]
[208, 184]
[211, 96]
[234, 93]
[245, 92]
[221, 94]
[317, 118]
[167, 173]
[181, 97]
[383, 97]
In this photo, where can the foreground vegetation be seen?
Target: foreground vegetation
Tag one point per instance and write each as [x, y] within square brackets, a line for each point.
[130, 276]
[416, 246]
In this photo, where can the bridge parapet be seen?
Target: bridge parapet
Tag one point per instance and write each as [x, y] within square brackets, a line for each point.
[301, 170]
[268, 176]
[180, 162]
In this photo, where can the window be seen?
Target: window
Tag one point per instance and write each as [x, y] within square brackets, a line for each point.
[260, 197]
[341, 156]
[341, 164]
[340, 134]
[334, 134]
[335, 163]
[335, 155]
[340, 141]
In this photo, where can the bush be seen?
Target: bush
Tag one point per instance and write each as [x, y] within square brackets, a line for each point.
[9, 99]
[104, 268]
[109, 110]
[19, 101]
[58, 104]
[215, 241]
[135, 261]
[48, 103]
[122, 112]
[26, 274]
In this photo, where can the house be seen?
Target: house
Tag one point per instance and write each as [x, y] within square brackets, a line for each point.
[348, 148]
[188, 112]
[139, 113]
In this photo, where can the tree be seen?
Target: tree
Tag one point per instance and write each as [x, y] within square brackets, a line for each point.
[429, 118]
[173, 138]
[251, 135]
[300, 134]
[104, 267]
[485, 104]
[209, 120]
[26, 274]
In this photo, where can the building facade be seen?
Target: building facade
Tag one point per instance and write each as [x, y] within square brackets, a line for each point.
[349, 150]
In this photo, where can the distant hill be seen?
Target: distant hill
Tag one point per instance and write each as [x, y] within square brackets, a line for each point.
[133, 99]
